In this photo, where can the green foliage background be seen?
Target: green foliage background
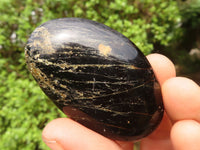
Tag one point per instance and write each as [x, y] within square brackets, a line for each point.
[25, 110]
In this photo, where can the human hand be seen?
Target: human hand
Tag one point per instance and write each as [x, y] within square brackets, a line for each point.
[179, 129]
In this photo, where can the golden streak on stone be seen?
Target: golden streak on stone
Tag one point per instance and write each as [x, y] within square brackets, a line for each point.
[114, 93]
[100, 82]
[105, 50]
[63, 86]
[42, 79]
[75, 66]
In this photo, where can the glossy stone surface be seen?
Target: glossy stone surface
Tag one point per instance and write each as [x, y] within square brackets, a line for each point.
[96, 76]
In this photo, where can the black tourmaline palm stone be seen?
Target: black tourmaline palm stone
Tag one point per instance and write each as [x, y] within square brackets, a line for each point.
[96, 76]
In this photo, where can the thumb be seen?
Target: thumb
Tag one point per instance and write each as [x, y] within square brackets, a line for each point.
[65, 134]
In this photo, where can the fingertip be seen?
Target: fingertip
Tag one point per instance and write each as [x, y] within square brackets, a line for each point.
[50, 135]
[54, 133]
[181, 97]
[162, 67]
[185, 135]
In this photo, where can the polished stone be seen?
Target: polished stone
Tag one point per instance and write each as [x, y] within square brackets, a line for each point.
[96, 76]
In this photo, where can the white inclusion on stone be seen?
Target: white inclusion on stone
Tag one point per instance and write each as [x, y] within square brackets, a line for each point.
[104, 130]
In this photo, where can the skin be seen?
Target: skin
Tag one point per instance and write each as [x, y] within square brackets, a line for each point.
[179, 129]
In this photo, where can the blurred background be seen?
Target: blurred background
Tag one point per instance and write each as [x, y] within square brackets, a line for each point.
[169, 27]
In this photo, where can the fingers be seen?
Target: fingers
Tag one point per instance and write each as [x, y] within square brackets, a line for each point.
[66, 134]
[164, 69]
[181, 96]
[185, 135]
[181, 99]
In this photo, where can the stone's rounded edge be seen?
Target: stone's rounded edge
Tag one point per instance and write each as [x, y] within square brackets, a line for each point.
[76, 72]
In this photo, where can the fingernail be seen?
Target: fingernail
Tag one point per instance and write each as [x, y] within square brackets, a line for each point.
[53, 145]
